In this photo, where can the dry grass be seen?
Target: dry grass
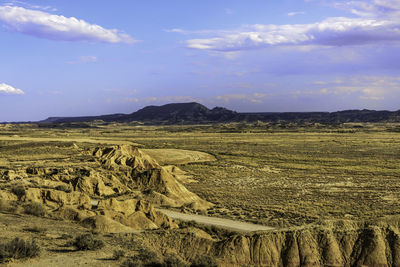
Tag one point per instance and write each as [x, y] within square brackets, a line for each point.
[18, 249]
[270, 174]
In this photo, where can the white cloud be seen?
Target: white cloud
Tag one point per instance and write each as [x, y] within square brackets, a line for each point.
[9, 90]
[45, 25]
[372, 8]
[378, 22]
[330, 32]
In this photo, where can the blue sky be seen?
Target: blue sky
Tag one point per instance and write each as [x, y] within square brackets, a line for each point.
[72, 58]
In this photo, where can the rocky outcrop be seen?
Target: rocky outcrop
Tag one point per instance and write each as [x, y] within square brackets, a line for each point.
[115, 191]
[56, 198]
[145, 174]
[137, 214]
[339, 243]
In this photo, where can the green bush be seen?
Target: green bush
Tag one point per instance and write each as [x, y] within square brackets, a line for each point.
[18, 249]
[35, 208]
[87, 242]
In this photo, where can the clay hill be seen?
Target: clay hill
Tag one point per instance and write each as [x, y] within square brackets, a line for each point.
[195, 113]
[114, 193]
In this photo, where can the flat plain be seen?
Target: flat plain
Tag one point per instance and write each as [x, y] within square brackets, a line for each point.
[273, 174]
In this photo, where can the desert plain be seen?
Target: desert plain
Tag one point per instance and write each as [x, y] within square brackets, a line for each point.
[318, 195]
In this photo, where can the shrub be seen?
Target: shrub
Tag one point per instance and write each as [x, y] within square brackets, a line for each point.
[118, 254]
[63, 187]
[19, 191]
[3, 205]
[172, 260]
[146, 257]
[35, 208]
[18, 249]
[87, 242]
[36, 229]
[186, 224]
[204, 261]
[132, 262]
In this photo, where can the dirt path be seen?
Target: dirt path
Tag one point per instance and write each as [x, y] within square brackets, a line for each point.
[224, 223]
[178, 156]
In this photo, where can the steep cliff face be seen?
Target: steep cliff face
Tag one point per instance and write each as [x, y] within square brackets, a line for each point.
[343, 243]
[340, 243]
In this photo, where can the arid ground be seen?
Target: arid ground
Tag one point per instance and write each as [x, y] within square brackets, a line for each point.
[284, 176]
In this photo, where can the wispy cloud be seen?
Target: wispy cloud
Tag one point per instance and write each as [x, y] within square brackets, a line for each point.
[84, 59]
[228, 11]
[55, 27]
[9, 90]
[291, 14]
[28, 5]
[152, 99]
[378, 22]
[371, 8]
[364, 87]
[256, 98]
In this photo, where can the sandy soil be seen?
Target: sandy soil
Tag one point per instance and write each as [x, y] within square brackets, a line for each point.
[178, 156]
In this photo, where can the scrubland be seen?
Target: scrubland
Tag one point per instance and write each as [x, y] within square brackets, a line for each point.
[281, 175]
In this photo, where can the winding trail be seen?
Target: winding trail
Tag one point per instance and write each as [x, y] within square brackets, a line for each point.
[220, 222]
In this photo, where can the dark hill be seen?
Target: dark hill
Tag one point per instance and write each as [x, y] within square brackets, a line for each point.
[168, 114]
[181, 112]
[194, 113]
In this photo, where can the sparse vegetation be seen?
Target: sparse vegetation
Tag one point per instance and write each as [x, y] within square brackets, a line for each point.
[118, 254]
[204, 261]
[36, 229]
[87, 242]
[173, 260]
[277, 174]
[19, 191]
[35, 208]
[3, 205]
[65, 188]
[18, 249]
[145, 257]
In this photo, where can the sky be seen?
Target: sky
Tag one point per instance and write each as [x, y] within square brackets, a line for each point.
[78, 58]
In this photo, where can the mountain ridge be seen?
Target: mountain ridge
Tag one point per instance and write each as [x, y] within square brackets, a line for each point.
[193, 113]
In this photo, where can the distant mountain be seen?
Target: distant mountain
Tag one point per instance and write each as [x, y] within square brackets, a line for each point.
[168, 114]
[192, 113]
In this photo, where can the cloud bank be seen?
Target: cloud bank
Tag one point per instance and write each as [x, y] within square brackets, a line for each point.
[378, 22]
[45, 25]
[9, 90]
